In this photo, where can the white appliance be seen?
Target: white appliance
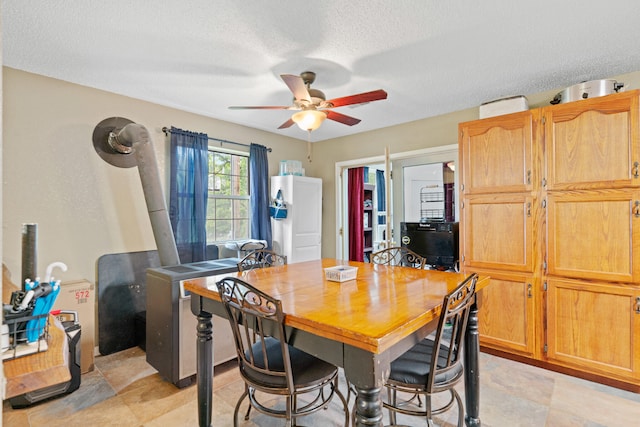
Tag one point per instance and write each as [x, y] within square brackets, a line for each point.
[298, 236]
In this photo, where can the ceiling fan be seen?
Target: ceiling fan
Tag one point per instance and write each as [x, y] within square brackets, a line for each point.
[312, 105]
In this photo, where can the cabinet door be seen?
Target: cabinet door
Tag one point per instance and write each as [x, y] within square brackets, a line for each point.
[507, 313]
[594, 235]
[498, 232]
[497, 154]
[594, 326]
[593, 143]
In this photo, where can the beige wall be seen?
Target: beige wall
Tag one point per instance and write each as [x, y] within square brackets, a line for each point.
[86, 208]
[427, 133]
[412, 136]
[52, 176]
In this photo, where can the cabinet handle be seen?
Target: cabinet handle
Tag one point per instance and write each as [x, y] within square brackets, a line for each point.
[637, 305]
[636, 169]
[530, 291]
[636, 209]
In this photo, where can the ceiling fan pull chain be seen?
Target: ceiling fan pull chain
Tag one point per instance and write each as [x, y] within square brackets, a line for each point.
[309, 146]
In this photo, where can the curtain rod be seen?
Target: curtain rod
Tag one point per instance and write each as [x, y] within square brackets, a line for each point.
[167, 131]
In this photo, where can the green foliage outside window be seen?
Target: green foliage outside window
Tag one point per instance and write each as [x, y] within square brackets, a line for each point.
[228, 206]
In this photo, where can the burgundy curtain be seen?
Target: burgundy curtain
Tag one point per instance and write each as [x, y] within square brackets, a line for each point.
[356, 214]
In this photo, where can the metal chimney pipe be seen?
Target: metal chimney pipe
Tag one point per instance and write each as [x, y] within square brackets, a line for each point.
[29, 253]
[125, 138]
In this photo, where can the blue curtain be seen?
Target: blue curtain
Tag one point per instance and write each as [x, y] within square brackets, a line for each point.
[259, 190]
[382, 194]
[188, 193]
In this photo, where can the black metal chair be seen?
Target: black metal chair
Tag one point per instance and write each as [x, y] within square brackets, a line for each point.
[398, 255]
[434, 365]
[395, 255]
[261, 258]
[268, 365]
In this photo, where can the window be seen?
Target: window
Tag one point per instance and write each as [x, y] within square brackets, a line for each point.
[228, 204]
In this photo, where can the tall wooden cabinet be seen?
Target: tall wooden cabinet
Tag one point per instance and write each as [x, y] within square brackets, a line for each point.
[550, 209]
[500, 160]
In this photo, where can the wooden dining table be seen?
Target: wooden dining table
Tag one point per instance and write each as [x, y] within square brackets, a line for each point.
[361, 325]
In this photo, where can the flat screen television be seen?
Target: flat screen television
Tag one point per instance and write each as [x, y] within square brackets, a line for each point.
[436, 241]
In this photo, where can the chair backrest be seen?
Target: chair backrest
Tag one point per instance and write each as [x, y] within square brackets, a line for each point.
[257, 322]
[452, 326]
[261, 258]
[398, 255]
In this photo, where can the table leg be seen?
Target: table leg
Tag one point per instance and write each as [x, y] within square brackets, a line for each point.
[368, 407]
[471, 371]
[204, 373]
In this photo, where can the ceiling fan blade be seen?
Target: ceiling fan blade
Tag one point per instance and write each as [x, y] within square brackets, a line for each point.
[286, 124]
[297, 86]
[342, 118]
[360, 98]
[260, 107]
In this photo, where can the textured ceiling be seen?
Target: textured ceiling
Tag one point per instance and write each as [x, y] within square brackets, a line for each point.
[431, 56]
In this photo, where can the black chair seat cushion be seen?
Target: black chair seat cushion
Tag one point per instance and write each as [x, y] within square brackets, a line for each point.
[413, 367]
[306, 369]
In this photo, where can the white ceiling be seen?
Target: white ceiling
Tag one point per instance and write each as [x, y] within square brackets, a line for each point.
[431, 56]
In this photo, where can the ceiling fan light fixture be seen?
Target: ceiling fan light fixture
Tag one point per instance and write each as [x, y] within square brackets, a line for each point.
[309, 119]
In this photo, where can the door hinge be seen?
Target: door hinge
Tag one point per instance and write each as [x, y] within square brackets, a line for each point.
[544, 203]
[545, 348]
[544, 286]
[544, 266]
[462, 205]
[544, 120]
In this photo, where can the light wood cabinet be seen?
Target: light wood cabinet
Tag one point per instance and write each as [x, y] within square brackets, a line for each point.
[594, 326]
[497, 232]
[508, 311]
[498, 154]
[500, 163]
[555, 222]
[593, 144]
[594, 235]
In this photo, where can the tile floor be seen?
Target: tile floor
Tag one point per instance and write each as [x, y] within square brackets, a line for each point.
[125, 391]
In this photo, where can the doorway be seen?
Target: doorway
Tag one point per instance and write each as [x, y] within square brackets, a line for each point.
[447, 154]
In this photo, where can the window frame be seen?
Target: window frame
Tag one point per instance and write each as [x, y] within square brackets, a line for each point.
[211, 195]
